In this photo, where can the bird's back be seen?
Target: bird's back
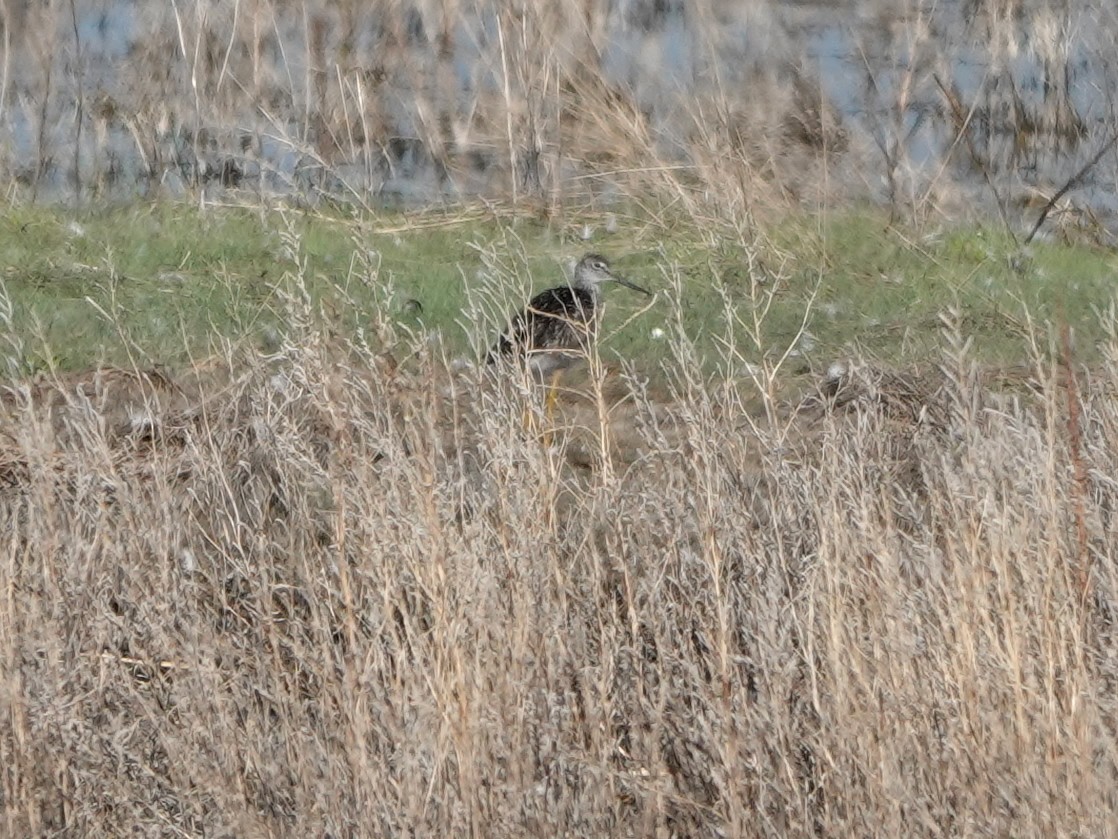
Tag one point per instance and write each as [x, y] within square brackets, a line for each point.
[559, 318]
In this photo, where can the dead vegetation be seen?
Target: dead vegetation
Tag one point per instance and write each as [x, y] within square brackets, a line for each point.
[314, 595]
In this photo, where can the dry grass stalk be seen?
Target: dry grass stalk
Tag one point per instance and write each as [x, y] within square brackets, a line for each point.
[316, 594]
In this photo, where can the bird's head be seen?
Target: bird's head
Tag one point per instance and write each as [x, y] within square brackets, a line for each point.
[593, 271]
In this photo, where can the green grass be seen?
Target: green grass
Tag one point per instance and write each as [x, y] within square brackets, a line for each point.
[158, 283]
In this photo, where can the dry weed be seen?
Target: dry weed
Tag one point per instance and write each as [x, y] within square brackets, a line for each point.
[311, 595]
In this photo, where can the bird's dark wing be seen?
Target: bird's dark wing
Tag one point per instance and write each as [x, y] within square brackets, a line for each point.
[547, 314]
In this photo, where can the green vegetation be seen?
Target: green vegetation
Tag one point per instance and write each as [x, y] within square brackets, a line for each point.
[160, 282]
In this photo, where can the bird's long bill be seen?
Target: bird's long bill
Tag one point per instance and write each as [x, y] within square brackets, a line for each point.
[633, 286]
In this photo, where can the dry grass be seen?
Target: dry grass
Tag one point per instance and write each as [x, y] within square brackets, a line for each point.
[323, 594]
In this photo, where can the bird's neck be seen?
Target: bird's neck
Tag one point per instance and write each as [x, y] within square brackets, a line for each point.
[593, 289]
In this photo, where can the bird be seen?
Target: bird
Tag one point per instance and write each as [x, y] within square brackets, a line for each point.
[558, 325]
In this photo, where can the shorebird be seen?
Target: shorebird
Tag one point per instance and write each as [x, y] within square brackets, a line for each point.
[557, 326]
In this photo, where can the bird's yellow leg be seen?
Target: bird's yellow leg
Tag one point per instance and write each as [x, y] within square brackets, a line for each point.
[551, 400]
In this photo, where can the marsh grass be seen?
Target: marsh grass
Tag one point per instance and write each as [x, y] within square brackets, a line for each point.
[319, 591]
[278, 557]
[944, 109]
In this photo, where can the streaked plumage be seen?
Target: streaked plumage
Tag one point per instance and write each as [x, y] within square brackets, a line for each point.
[558, 325]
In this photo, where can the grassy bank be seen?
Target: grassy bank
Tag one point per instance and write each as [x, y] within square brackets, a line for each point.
[163, 284]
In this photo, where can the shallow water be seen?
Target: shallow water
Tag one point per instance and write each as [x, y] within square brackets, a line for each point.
[151, 101]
